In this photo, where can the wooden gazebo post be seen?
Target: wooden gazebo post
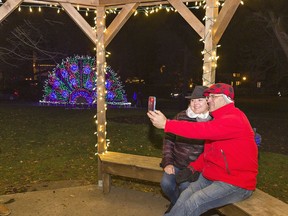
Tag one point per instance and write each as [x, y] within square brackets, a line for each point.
[101, 90]
[215, 25]
[210, 48]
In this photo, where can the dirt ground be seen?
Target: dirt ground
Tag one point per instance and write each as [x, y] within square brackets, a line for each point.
[71, 198]
[85, 201]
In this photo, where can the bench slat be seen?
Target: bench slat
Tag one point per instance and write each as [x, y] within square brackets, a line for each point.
[128, 165]
[140, 161]
[259, 204]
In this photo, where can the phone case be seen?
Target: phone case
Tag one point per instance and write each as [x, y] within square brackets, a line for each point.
[151, 103]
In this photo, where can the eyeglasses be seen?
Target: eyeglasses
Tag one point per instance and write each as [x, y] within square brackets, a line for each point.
[213, 96]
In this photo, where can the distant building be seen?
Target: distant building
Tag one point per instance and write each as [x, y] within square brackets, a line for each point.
[243, 82]
[41, 70]
[135, 80]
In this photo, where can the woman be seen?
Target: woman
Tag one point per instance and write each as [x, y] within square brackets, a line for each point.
[178, 152]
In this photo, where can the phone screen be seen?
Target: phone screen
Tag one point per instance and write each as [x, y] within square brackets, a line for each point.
[151, 103]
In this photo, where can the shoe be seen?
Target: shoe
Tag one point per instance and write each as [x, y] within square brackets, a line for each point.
[4, 210]
[169, 208]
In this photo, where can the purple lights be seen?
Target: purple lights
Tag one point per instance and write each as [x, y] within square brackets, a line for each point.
[74, 82]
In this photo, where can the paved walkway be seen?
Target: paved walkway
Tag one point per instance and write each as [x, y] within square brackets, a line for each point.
[85, 201]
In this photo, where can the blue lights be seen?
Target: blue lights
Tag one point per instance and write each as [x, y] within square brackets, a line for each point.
[74, 81]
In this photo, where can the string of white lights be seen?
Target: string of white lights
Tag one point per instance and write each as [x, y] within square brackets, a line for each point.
[100, 28]
[148, 10]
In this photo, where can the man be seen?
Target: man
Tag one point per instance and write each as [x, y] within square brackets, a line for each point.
[4, 210]
[229, 164]
[178, 151]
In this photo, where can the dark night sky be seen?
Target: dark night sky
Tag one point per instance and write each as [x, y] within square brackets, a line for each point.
[141, 47]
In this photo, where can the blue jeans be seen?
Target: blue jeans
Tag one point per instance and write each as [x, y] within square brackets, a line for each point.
[204, 195]
[170, 188]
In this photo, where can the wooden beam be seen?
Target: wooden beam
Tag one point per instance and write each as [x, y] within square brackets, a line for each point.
[223, 19]
[8, 7]
[106, 3]
[74, 2]
[110, 32]
[80, 21]
[119, 21]
[101, 89]
[192, 20]
[101, 71]
[118, 2]
[210, 61]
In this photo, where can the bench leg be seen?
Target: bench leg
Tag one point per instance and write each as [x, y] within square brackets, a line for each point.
[106, 182]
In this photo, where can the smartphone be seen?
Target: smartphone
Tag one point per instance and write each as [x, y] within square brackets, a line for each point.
[151, 103]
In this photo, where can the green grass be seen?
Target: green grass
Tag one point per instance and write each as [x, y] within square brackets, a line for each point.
[272, 177]
[42, 144]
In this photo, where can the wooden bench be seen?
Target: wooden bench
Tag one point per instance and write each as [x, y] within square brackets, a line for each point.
[147, 168]
[129, 165]
[259, 204]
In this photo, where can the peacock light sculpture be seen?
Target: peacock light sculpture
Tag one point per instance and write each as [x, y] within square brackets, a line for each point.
[74, 82]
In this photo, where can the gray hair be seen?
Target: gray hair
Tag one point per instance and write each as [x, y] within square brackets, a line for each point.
[227, 99]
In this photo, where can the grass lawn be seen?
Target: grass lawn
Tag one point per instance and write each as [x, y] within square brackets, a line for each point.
[44, 144]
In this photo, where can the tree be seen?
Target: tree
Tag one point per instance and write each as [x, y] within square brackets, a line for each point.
[265, 30]
[23, 41]
[44, 35]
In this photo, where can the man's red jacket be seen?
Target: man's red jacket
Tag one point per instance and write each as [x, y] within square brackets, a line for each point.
[230, 152]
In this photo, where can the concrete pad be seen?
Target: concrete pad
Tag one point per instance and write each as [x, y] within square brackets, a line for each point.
[85, 201]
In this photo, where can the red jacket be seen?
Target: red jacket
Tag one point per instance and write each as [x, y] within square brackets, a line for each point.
[230, 153]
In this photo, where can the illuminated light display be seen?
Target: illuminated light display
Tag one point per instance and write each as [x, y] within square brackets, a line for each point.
[74, 82]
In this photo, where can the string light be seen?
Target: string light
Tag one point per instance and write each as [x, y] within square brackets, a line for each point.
[145, 10]
[141, 9]
[210, 57]
[100, 74]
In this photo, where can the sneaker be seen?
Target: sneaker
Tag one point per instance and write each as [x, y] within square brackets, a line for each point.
[4, 210]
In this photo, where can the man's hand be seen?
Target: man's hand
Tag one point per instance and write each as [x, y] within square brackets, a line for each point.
[157, 118]
[169, 169]
[187, 174]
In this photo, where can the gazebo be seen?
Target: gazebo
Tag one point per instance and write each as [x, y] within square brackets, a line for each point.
[217, 17]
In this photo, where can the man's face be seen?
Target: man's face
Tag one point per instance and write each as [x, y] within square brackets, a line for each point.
[215, 101]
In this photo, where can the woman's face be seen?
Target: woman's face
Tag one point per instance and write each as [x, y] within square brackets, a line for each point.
[199, 105]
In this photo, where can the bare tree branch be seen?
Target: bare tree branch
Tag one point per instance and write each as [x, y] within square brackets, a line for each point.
[25, 40]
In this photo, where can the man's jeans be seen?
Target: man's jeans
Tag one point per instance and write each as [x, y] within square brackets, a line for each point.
[170, 188]
[203, 195]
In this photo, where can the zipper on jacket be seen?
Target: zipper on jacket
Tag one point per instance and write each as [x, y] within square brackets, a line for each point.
[225, 161]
